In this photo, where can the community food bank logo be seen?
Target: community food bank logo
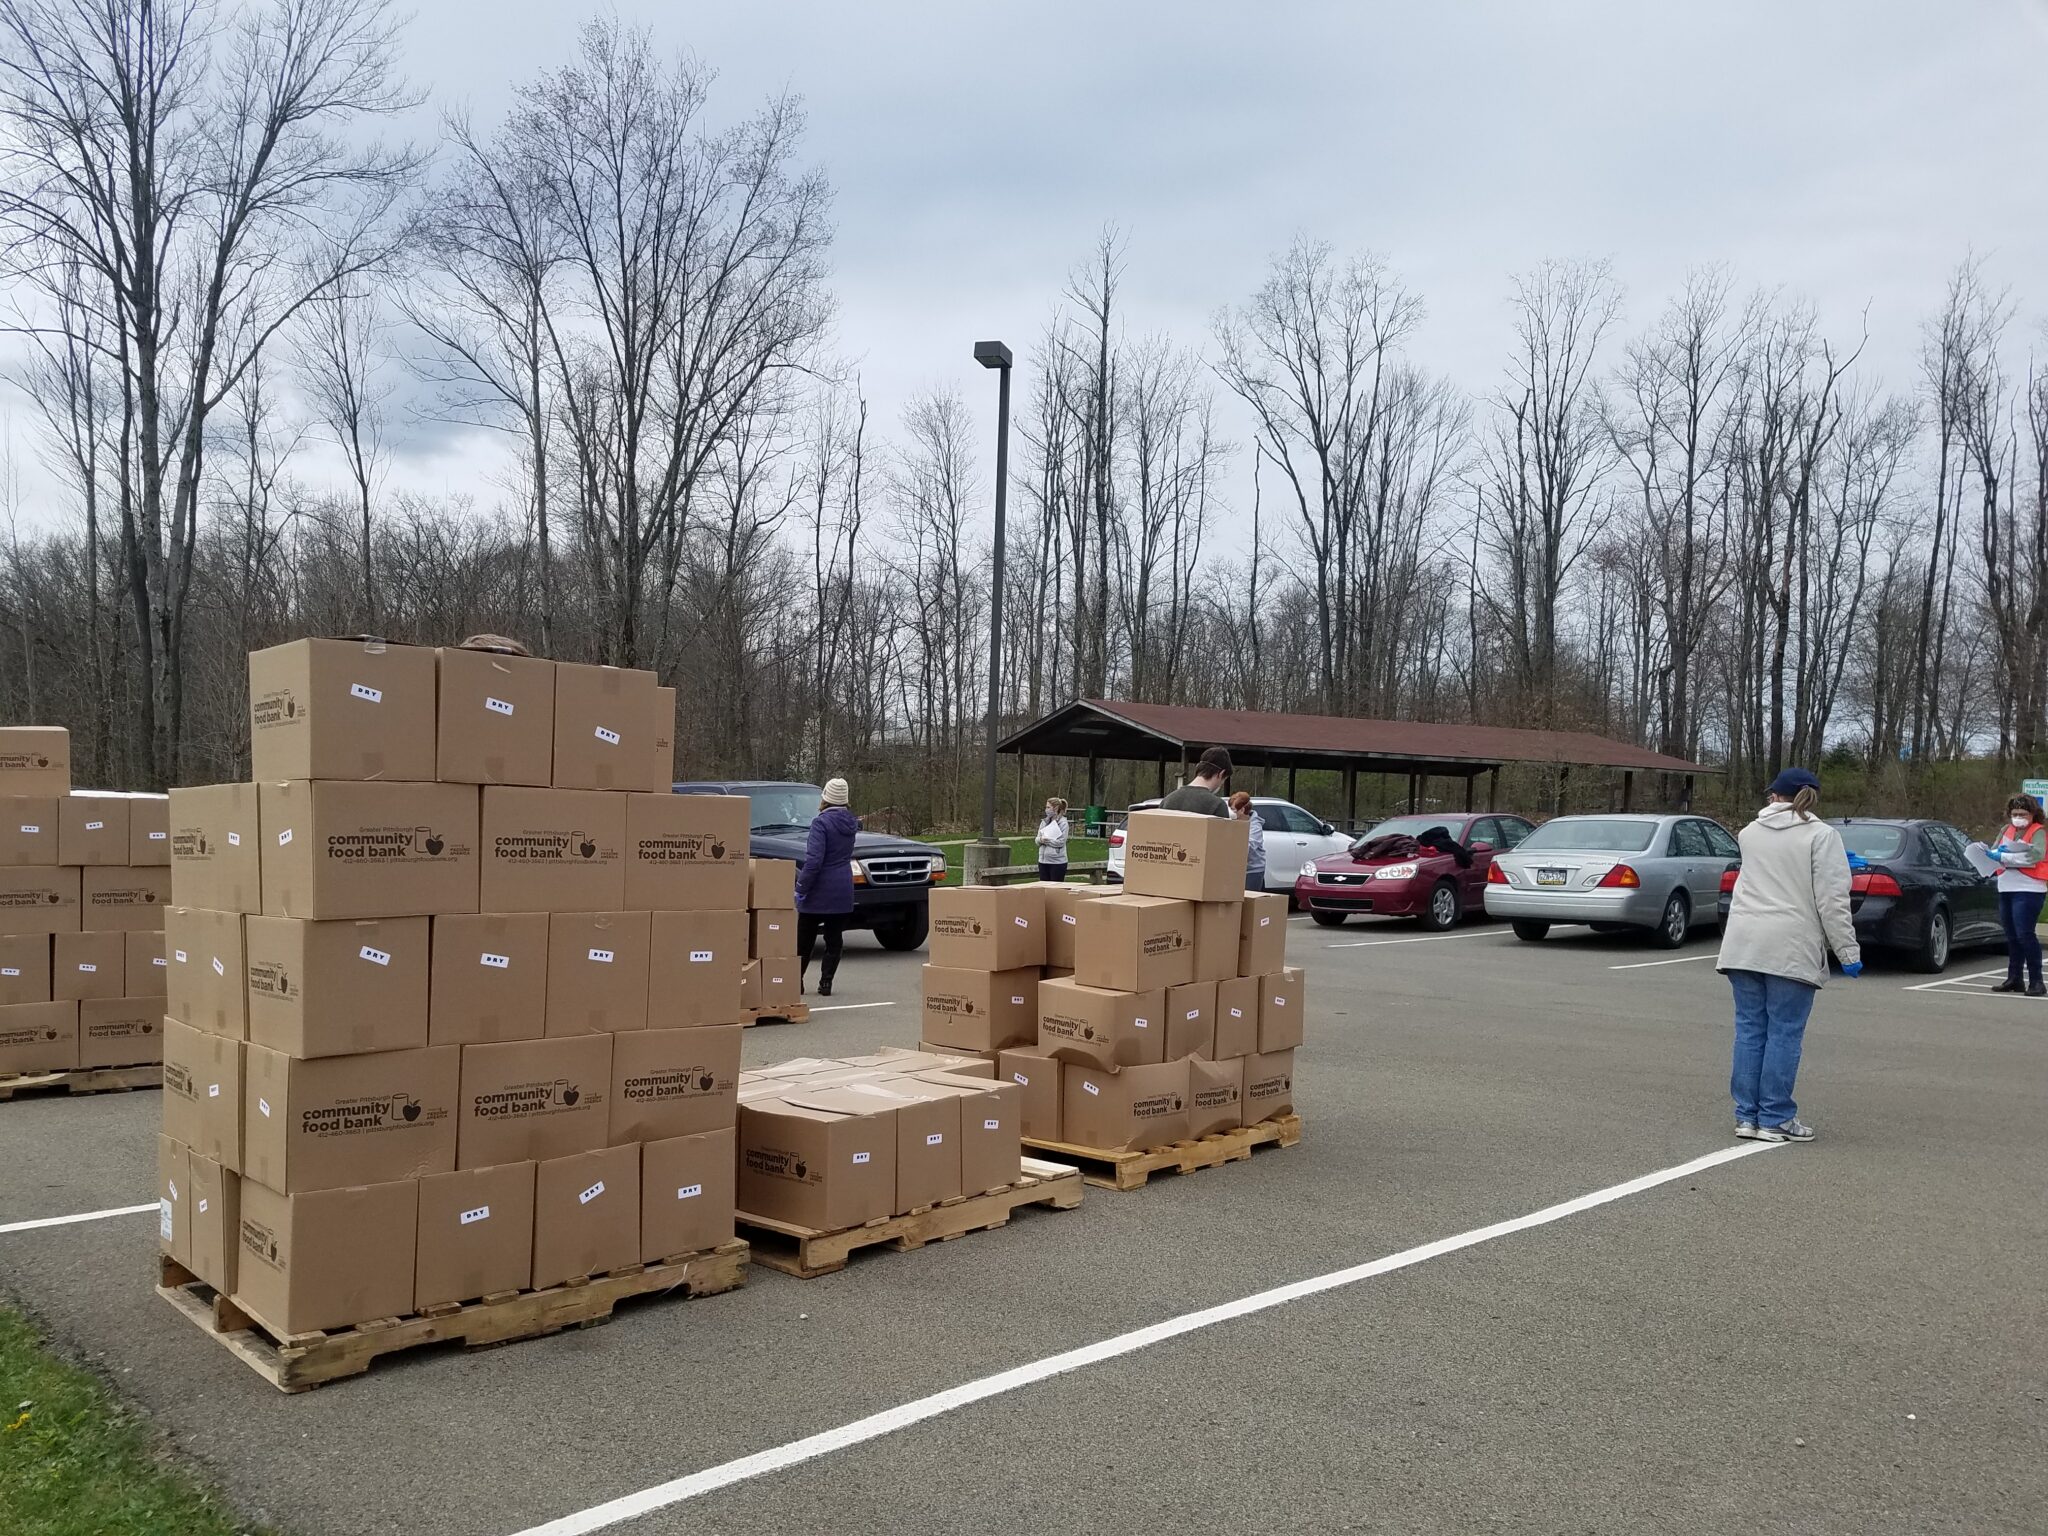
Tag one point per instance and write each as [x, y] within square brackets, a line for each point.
[1156, 853]
[670, 1084]
[378, 1112]
[1154, 1105]
[190, 843]
[393, 845]
[19, 899]
[261, 1241]
[22, 761]
[681, 848]
[278, 707]
[958, 927]
[124, 896]
[545, 847]
[549, 1098]
[773, 1163]
[30, 1036]
[271, 979]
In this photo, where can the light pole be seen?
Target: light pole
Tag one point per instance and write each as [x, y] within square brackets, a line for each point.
[979, 856]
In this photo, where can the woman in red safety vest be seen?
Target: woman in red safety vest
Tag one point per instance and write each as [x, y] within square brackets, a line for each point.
[2022, 885]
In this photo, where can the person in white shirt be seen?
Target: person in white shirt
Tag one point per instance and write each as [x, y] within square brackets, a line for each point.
[2022, 852]
[1052, 842]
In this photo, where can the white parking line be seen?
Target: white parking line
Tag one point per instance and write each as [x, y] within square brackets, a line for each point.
[1955, 981]
[1427, 938]
[1644, 965]
[890, 1420]
[65, 1221]
[848, 1007]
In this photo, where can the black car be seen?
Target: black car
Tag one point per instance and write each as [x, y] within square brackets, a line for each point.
[1910, 889]
[892, 876]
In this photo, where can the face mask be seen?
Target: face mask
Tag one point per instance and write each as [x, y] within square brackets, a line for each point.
[2021, 818]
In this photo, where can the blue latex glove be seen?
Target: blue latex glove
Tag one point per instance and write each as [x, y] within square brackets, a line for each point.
[1852, 968]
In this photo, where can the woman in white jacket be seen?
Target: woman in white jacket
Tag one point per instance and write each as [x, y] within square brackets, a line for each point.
[1052, 841]
[1791, 906]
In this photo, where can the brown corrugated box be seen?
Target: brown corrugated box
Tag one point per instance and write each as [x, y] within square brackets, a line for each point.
[494, 718]
[1191, 1020]
[1282, 1007]
[771, 985]
[1218, 927]
[148, 967]
[586, 1215]
[327, 1258]
[132, 900]
[987, 927]
[1135, 944]
[120, 1031]
[475, 1234]
[662, 777]
[1215, 1095]
[38, 1037]
[927, 1122]
[696, 968]
[1062, 902]
[39, 898]
[92, 829]
[489, 978]
[980, 1010]
[24, 968]
[552, 850]
[1186, 856]
[1130, 1110]
[604, 727]
[991, 1129]
[89, 965]
[340, 1120]
[1091, 1024]
[771, 883]
[816, 1168]
[216, 1224]
[216, 849]
[1237, 1017]
[674, 1082]
[1037, 1075]
[687, 853]
[1262, 936]
[337, 988]
[35, 760]
[773, 934]
[534, 1099]
[687, 1193]
[206, 984]
[149, 831]
[28, 830]
[341, 709]
[203, 1092]
[597, 972]
[1268, 1086]
[367, 850]
[173, 1199]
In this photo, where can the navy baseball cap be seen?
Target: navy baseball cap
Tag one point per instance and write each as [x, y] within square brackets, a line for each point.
[1793, 780]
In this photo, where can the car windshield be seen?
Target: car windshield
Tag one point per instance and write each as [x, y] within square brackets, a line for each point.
[1413, 826]
[1589, 833]
[1867, 841]
[783, 807]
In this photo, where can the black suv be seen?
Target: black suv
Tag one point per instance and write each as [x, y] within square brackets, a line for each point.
[892, 876]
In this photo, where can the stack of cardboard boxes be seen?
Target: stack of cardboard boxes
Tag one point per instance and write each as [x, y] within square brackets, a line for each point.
[84, 879]
[770, 987]
[454, 988]
[1128, 1020]
[831, 1144]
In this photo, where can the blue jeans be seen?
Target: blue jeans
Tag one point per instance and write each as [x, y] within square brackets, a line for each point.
[1770, 1028]
[2018, 913]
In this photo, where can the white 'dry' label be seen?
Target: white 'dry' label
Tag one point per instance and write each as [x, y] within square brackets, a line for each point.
[1021, 922]
[935, 1138]
[87, 966]
[1142, 1023]
[164, 1219]
[1017, 1001]
[94, 826]
[235, 839]
[496, 962]
[218, 968]
[859, 1158]
[689, 1191]
[283, 837]
[30, 831]
[375, 956]
[701, 956]
[15, 970]
[991, 1125]
[264, 1105]
[366, 693]
[157, 837]
[481, 1213]
[1067, 918]
[591, 1193]
[1091, 1088]
[182, 957]
[601, 956]
[497, 706]
[609, 738]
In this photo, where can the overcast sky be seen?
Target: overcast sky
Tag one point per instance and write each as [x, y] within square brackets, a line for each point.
[1849, 151]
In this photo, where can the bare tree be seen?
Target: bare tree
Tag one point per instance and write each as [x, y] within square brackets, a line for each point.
[346, 353]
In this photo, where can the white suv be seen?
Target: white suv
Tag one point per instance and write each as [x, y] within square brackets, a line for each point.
[1294, 838]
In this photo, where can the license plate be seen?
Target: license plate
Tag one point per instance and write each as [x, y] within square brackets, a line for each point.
[1551, 876]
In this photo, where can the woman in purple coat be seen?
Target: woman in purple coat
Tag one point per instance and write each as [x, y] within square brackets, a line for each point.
[824, 884]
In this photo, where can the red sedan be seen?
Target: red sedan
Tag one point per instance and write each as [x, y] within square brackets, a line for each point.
[1410, 866]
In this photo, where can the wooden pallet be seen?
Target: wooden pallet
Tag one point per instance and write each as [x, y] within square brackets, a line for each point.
[296, 1362]
[795, 1013]
[83, 1080]
[807, 1253]
[1130, 1170]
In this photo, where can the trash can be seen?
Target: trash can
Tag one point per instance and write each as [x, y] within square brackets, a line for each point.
[1095, 821]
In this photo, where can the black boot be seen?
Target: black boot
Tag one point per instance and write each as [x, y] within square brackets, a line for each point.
[2010, 984]
[826, 971]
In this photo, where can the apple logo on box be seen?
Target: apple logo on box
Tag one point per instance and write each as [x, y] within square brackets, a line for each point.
[587, 848]
[717, 850]
[705, 1081]
[802, 1168]
[434, 844]
[570, 1096]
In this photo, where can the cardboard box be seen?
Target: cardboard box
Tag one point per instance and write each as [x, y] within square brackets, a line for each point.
[39, 898]
[1062, 902]
[216, 1224]
[1268, 1086]
[89, 965]
[216, 857]
[604, 727]
[674, 1082]
[494, 718]
[696, 966]
[1191, 1020]
[534, 1099]
[773, 934]
[1237, 1017]
[327, 1258]
[147, 966]
[687, 1193]
[927, 1120]
[661, 776]
[816, 1168]
[1262, 936]
[131, 900]
[597, 972]
[38, 1037]
[489, 978]
[206, 984]
[25, 969]
[687, 853]
[149, 831]
[35, 760]
[1103, 1028]
[1130, 1110]
[1218, 928]
[337, 988]
[341, 1120]
[1135, 944]
[1282, 1011]
[203, 1092]
[988, 927]
[173, 1199]
[991, 1129]
[770, 986]
[552, 850]
[771, 883]
[949, 1058]
[475, 1234]
[1037, 1078]
[1184, 855]
[1215, 1095]
[367, 850]
[586, 1215]
[28, 830]
[93, 829]
[120, 1031]
[980, 1010]
[341, 709]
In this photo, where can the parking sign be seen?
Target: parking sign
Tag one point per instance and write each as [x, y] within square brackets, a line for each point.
[2036, 788]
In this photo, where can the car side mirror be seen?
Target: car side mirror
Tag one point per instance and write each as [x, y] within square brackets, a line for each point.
[1481, 847]
[1329, 830]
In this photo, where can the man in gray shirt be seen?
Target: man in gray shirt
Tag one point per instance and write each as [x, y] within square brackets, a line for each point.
[1203, 794]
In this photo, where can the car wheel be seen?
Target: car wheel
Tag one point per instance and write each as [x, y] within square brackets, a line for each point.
[1932, 955]
[1530, 929]
[1442, 911]
[1329, 919]
[1675, 924]
[904, 933]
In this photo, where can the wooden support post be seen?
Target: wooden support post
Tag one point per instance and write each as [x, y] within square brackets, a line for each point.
[1688, 793]
[1493, 789]
[1291, 795]
[1094, 775]
[1628, 789]
[1351, 799]
[1564, 774]
[1162, 778]
[1468, 792]
[1411, 794]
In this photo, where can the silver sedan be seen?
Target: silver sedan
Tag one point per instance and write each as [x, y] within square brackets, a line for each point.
[1654, 874]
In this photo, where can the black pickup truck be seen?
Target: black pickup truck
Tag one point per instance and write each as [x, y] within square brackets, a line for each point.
[892, 876]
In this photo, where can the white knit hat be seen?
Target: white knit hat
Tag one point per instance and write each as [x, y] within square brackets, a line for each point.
[835, 792]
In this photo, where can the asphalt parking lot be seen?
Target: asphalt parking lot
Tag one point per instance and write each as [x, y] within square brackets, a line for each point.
[1843, 1337]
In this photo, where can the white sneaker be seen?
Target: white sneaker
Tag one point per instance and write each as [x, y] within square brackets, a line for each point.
[1746, 1129]
[1791, 1130]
